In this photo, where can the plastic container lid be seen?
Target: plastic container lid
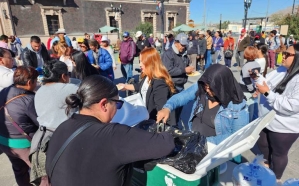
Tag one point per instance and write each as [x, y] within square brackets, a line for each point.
[132, 112]
[241, 141]
[251, 174]
[291, 182]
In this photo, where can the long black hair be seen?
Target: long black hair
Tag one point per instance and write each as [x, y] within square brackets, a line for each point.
[53, 71]
[219, 33]
[292, 71]
[83, 67]
[92, 90]
[264, 49]
[209, 32]
[85, 42]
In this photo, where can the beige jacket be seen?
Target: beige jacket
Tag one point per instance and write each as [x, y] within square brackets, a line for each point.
[209, 42]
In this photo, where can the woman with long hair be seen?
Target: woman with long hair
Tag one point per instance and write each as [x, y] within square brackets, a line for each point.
[208, 56]
[156, 85]
[85, 47]
[107, 150]
[262, 58]
[217, 44]
[282, 95]
[82, 67]
[64, 53]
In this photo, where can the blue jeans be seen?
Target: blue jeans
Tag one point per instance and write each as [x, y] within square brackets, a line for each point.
[228, 62]
[127, 71]
[208, 59]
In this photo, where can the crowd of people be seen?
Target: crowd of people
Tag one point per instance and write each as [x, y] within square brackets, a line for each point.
[40, 107]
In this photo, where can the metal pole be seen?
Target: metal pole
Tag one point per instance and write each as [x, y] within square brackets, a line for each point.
[293, 7]
[220, 22]
[246, 9]
[162, 24]
[205, 7]
[267, 16]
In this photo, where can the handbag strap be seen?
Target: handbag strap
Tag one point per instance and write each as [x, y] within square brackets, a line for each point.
[65, 144]
[20, 130]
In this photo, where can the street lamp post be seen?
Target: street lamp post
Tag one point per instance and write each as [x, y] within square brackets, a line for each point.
[220, 21]
[247, 4]
[162, 23]
[117, 11]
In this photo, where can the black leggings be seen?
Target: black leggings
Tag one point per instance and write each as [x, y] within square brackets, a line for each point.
[275, 147]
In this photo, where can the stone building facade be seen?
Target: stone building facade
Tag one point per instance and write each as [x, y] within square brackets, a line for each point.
[43, 17]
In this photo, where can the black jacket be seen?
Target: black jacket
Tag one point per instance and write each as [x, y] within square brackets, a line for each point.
[21, 110]
[193, 46]
[156, 97]
[202, 46]
[103, 153]
[29, 57]
[176, 64]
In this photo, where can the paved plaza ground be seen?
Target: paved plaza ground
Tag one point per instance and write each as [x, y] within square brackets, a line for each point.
[7, 177]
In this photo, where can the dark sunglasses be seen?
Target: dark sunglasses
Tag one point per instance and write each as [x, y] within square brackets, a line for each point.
[125, 36]
[119, 103]
[287, 54]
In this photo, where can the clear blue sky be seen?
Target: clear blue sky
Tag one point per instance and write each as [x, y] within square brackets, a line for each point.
[233, 10]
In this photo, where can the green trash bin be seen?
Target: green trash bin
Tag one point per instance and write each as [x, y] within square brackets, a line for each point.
[207, 172]
[161, 177]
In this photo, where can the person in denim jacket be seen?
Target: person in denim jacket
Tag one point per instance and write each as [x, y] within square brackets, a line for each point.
[219, 109]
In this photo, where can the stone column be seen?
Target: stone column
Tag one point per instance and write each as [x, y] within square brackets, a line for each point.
[6, 19]
[187, 13]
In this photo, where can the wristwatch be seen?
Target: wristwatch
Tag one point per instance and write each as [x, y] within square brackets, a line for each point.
[266, 94]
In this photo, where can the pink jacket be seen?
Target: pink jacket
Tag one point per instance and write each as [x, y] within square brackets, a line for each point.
[3, 45]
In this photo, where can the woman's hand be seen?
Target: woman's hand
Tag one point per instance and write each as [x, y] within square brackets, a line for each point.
[163, 115]
[121, 87]
[96, 66]
[263, 88]
[255, 94]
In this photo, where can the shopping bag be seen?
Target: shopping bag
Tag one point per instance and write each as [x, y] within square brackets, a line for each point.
[190, 147]
[279, 58]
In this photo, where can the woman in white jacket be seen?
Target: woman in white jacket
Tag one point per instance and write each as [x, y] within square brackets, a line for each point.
[283, 96]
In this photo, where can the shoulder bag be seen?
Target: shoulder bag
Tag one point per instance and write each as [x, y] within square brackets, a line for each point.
[229, 52]
[11, 120]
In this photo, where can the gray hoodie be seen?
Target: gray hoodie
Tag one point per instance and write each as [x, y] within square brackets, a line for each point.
[40, 60]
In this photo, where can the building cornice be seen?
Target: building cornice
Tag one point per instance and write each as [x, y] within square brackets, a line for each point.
[176, 3]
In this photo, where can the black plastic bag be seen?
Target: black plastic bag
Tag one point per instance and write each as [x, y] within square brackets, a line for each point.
[190, 147]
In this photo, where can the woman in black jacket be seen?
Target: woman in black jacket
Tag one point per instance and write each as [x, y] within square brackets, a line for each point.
[103, 153]
[18, 115]
[156, 86]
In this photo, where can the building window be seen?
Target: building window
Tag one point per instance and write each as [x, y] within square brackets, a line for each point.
[170, 23]
[53, 23]
[112, 21]
[149, 20]
[52, 19]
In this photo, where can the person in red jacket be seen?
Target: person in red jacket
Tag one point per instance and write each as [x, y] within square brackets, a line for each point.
[49, 42]
[229, 44]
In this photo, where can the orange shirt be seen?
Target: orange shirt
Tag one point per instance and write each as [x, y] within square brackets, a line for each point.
[229, 42]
